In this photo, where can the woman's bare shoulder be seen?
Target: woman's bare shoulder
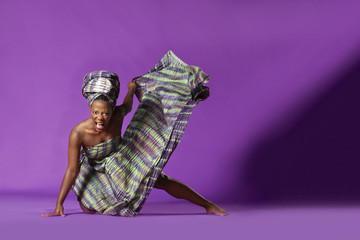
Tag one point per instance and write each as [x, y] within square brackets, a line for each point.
[80, 129]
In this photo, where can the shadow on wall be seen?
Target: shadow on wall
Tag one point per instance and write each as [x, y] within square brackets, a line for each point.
[318, 159]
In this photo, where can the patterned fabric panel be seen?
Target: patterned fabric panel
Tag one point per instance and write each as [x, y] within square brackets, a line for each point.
[103, 149]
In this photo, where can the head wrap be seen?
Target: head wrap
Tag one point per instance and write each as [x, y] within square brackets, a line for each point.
[101, 83]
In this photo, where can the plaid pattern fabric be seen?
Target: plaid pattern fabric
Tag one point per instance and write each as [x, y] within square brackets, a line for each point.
[122, 176]
[101, 83]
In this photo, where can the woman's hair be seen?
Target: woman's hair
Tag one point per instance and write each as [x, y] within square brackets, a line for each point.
[102, 97]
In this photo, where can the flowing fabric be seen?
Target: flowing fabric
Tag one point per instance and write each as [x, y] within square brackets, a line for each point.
[117, 176]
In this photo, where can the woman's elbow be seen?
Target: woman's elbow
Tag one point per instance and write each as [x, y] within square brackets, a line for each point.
[126, 110]
[73, 172]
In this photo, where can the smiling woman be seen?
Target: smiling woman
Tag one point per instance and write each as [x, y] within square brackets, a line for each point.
[113, 175]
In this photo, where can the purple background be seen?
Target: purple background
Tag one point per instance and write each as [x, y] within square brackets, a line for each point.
[282, 121]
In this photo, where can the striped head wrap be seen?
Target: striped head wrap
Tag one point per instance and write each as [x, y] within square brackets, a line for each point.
[101, 83]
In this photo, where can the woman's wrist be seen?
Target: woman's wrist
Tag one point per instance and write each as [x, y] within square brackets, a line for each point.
[132, 90]
[59, 203]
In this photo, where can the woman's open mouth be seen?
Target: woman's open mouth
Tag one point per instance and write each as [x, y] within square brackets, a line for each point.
[99, 125]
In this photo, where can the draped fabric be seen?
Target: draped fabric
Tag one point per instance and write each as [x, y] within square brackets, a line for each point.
[116, 177]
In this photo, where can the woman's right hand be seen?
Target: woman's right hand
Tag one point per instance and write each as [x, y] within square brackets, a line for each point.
[59, 211]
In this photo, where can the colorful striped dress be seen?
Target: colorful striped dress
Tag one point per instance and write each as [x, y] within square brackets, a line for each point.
[117, 176]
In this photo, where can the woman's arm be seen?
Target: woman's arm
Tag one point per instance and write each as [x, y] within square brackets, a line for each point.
[126, 106]
[71, 173]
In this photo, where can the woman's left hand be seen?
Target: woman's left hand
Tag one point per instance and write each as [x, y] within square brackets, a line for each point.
[59, 211]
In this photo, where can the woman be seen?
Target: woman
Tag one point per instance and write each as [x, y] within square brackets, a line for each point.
[115, 175]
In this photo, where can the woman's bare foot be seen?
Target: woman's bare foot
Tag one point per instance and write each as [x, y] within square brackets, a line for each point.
[179, 190]
[215, 209]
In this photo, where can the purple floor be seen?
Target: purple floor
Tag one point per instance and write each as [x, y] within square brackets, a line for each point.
[20, 219]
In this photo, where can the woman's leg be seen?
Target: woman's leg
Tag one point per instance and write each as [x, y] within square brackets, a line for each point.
[179, 190]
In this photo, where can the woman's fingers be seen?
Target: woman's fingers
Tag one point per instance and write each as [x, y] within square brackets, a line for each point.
[50, 214]
[56, 213]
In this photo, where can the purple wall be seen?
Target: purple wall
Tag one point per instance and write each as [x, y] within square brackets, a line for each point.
[282, 118]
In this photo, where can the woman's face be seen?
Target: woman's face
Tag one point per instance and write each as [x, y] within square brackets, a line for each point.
[100, 114]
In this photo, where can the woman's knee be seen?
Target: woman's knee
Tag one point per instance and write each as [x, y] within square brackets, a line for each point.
[162, 182]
